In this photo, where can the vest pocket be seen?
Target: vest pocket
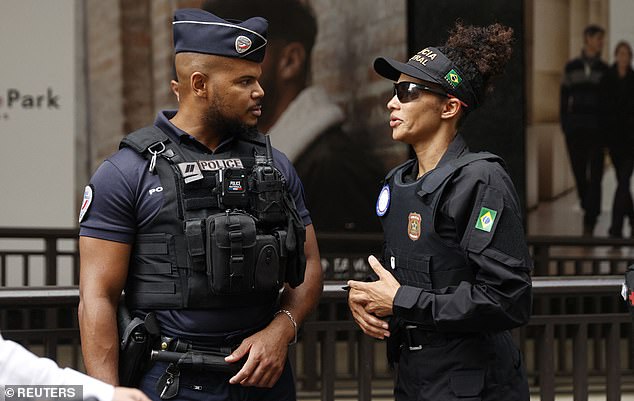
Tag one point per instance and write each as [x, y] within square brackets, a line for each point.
[413, 271]
[269, 272]
[231, 240]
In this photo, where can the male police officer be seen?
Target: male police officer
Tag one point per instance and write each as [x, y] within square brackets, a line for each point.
[202, 227]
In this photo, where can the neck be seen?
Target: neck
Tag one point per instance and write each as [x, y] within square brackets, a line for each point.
[622, 69]
[589, 53]
[191, 122]
[430, 151]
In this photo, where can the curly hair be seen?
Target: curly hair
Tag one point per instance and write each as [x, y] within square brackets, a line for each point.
[480, 53]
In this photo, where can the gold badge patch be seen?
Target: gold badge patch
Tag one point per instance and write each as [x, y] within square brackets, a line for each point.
[413, 226]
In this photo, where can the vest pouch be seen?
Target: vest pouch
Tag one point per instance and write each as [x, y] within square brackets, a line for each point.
[409, 270]
[269, 266]
[231, 241]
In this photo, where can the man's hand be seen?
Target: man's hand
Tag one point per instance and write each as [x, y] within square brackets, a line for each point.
[267, 350]
[369, 300]
[128, 394]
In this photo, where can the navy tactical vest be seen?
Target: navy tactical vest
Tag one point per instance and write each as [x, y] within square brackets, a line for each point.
[415, 254]
[228, 232]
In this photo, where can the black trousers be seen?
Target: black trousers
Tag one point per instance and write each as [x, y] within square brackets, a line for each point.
[484, 368]
[622, 206]
[585, 149]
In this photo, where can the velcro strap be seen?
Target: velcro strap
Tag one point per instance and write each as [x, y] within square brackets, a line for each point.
[150, 248]
[194, 233]
[201, 203]
[155, 288]
[154, 268]
[237, 255]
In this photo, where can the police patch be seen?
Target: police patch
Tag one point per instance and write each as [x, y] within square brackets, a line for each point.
[85, 203]
[220, 164]
[243, 44]
[413, 226]
[190, 171]
[486, 219]
[383, 203]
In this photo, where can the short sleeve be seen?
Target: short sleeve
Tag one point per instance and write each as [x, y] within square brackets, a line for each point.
[294, 184]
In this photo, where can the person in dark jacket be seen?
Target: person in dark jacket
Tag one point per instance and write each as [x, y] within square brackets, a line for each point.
[579, 114]
[617, 100]
[456, 269]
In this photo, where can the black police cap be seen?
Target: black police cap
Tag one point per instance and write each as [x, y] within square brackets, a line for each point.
[430, 65]
[199, 31]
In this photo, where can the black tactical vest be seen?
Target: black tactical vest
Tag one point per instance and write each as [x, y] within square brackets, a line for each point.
[228, 232]
[415, 254]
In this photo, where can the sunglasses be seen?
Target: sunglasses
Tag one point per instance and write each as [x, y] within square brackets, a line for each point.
[409, 91]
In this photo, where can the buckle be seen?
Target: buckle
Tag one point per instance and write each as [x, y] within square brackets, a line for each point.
[410, 341]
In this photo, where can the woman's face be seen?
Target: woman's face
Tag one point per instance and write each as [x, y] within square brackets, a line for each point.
[622, 56]
[418, 119]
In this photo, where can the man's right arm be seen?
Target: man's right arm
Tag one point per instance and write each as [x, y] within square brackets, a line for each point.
[103, 272]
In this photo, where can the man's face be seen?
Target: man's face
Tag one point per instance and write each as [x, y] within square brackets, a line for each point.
[235, 95]
[594, 43]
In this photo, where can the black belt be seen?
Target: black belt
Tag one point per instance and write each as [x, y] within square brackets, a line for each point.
[416, 338]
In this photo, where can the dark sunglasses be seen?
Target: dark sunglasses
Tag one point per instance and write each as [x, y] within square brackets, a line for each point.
[409, 91]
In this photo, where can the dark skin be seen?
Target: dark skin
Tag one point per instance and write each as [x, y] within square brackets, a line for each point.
[230, 85]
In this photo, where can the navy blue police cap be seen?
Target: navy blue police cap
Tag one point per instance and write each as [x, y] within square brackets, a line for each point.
[430, 65]
[199, 31]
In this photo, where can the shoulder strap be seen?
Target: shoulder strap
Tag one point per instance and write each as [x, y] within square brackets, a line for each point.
[393, 171]
[142, 139]
[438, 176]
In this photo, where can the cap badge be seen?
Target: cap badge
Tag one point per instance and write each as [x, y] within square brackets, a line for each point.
[413, 226]
[453, 78]
[243, 44]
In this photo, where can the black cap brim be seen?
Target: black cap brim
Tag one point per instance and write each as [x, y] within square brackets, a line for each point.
[392, 69]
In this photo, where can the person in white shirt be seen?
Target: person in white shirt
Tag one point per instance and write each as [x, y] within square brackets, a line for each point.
[18, 366]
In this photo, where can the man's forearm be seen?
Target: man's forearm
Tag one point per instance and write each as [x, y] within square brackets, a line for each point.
[99, 339]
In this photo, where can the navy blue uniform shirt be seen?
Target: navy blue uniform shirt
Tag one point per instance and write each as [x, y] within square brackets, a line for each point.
[127, 197]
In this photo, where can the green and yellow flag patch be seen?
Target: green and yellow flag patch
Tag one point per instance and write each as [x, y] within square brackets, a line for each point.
[486, 219]
[453, 78]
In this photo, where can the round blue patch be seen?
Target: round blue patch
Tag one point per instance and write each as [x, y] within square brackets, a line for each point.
[383, 203]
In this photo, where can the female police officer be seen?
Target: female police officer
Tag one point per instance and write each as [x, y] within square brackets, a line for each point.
[454, 242]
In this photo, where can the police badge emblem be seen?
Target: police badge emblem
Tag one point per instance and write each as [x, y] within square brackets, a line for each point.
[413, 226]
[243, 44]
[383, 203]
[85, 203]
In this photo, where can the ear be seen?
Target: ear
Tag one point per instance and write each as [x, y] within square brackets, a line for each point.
[292, 61]
[174, 87]
[199, 84]
[451, 108]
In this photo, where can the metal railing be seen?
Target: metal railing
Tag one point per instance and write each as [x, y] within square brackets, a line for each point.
[579, 338]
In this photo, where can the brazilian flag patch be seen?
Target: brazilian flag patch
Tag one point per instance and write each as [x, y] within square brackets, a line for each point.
[486, 219]
[453, 78]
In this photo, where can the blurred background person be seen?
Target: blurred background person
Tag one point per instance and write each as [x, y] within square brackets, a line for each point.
[579, 113]
[617, 101]
[340, 175]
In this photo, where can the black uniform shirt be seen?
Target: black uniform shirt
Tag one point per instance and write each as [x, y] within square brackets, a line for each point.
[127, 197]
[500, 298]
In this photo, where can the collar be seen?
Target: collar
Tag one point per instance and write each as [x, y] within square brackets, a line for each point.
[457, 147]
[179, 136]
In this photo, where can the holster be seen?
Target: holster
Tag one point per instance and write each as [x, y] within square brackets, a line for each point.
[136, 337]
